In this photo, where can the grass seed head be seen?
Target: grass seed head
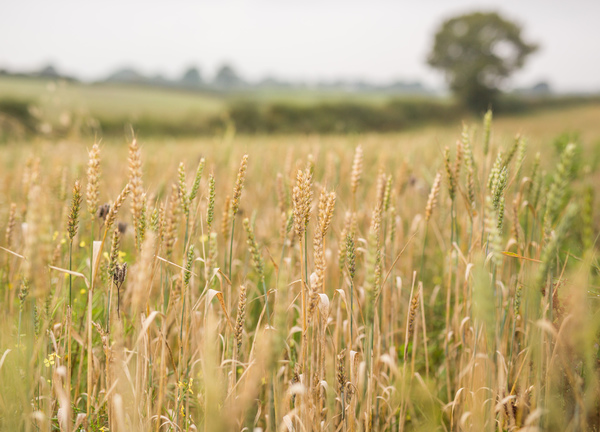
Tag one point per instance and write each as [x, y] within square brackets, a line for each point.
[93, 175]
[357, 167]
[239, 185]
[73, 222]
[433, 194]
[197, 178]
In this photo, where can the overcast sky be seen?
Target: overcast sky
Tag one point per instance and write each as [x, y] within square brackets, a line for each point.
[379, 40]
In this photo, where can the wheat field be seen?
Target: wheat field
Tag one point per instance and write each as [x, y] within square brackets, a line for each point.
[428, 281]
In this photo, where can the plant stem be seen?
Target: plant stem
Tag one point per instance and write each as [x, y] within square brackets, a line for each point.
[231, 246]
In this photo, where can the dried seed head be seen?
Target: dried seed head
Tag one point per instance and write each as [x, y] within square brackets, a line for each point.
[73, 223]
[113, 260]
[155, 220]
[318, 277]
[187, 273]
[412, 313]
[470, 167]
[257, 260]
[326, 207]
[183, 195]
[516, 225]
[450, 174]
[302, 199]
[197, 178]
[513, 150]
[341, 371]
[495, 172]
[114, 209]
[356, 170]
[210, 216]
[433, 194]
[171, 218]
[351, 255]
[239, 185]
[348, 229]
[226, 218]
[241, 317]
[136, 185]
[381, 183]
[93, 175]
[387, 194]
[558, 187]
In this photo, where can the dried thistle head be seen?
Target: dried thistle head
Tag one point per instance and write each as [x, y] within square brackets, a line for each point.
[73, 222]
[102, 212]
[119, 274]
[93, 175]
[122, 227]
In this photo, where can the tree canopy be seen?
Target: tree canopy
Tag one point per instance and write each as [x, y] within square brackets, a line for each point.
[477, 52]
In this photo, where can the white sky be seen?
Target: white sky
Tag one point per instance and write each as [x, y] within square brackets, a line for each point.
[378, 40]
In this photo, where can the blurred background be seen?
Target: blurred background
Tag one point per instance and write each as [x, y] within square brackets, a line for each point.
[184, 68]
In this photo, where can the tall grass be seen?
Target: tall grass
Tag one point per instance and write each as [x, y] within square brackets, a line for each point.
[390, 303]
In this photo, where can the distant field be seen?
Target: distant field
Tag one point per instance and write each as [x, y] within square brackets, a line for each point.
[63, 108]
[123, 100]
[111, 100]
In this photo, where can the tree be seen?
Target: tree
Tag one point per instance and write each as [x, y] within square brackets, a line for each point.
[191, 77]
[477, 52]
[227, 77]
